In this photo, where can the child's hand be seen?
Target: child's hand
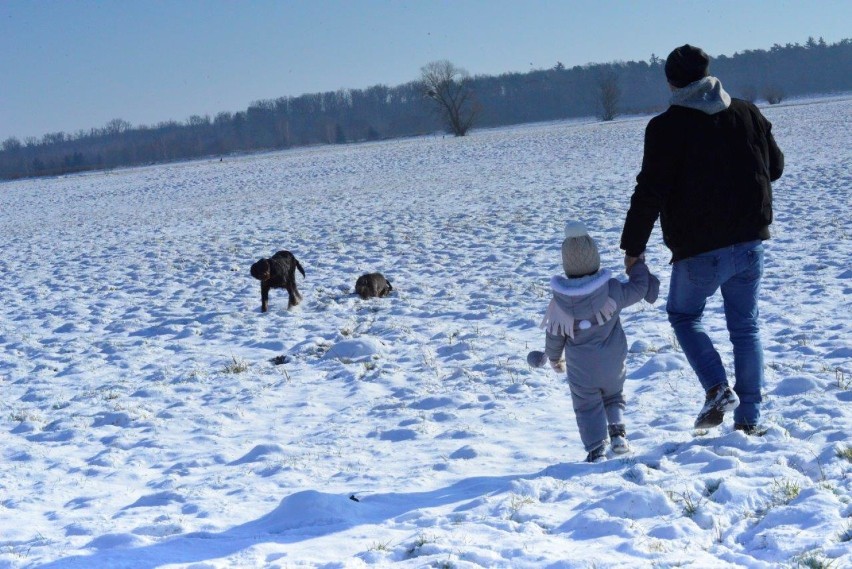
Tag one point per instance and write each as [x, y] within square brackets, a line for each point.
[557, 365]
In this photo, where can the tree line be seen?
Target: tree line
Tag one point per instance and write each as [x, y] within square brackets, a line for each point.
[444, 98]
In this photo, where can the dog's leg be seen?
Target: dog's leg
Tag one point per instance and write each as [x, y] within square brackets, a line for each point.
[264, 296]
[293, 293]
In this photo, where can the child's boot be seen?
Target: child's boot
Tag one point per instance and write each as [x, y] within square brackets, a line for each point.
[597, 454]
[618, 438]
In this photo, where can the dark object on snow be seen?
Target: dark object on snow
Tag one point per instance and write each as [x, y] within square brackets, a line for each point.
[278, 360]
[371, 285]
[353, 498]
[536, 358]
[279, 271]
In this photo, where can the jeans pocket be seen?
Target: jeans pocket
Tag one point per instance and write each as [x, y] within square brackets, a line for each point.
[754, 261]
[702, 271]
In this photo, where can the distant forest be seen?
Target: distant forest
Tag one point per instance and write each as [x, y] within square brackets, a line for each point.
[381, 112]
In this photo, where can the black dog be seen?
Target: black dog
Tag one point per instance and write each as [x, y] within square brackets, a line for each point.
[372, 284]
[279, 271]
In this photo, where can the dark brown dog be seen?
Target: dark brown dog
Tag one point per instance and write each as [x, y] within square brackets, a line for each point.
[279, 271]
[372, 284]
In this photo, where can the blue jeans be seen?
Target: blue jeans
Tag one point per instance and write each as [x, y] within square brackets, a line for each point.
[737, 271]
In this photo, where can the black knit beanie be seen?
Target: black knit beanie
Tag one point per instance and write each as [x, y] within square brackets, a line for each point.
[686, 64]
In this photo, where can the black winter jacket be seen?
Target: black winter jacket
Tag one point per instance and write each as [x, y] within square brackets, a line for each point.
[707, 176]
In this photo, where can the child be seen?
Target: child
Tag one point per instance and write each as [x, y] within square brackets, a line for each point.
[583, 321]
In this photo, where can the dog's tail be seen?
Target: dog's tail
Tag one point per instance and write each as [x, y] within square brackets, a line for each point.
[299, 266]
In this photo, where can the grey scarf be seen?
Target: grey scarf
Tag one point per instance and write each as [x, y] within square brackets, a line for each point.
[705, 95]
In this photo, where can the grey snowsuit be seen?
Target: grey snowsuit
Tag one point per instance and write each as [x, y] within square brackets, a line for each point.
[583, 320]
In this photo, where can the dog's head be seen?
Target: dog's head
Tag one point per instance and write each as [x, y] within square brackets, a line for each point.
[261, 270]
[372, 284]
[362, 286]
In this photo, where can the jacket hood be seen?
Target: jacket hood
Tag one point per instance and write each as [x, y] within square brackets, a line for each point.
[706, 95]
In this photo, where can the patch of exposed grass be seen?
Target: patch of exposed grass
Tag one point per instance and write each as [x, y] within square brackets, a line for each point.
[236, 366]
[786, 490]
[813, 560]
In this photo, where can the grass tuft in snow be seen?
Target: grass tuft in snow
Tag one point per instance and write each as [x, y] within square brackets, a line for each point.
[690, 502]
[782, 493]
[419, 542]
[516, 504]
[25, 415]
[236, 366]
[813, 560]
[785, 491]
[718, 531]
[844, 382]
[383, 546]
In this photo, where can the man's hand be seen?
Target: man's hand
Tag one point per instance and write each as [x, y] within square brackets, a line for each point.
[630, 261]
[557, 365]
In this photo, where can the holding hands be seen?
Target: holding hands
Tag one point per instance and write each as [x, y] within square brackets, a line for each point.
[630, 261]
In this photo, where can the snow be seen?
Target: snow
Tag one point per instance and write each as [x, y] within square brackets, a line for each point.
[153, 416]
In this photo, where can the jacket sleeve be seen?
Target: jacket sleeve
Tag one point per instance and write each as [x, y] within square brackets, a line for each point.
[776, 157]
[553, 346]
[626, 294]
[652, 184]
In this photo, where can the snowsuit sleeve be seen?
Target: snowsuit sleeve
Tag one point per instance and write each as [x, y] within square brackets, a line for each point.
[553, 346]
[626, 294]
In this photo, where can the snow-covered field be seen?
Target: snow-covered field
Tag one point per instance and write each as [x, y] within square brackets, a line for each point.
[144, 424]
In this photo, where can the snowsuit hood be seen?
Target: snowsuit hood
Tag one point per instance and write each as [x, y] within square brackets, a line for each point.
[579, 303]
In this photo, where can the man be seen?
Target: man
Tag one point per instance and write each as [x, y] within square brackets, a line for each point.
[706, 172]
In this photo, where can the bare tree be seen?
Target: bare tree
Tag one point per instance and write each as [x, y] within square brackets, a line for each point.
[11, 144]
[773, 94]
[54, 138]
[198, 121]
[748, 93]
[449, 87]
[117, 126]
[609, 95]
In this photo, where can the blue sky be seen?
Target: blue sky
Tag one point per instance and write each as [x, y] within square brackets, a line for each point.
[66, 66]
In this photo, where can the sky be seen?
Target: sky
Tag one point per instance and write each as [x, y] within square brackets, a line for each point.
[70, 66]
